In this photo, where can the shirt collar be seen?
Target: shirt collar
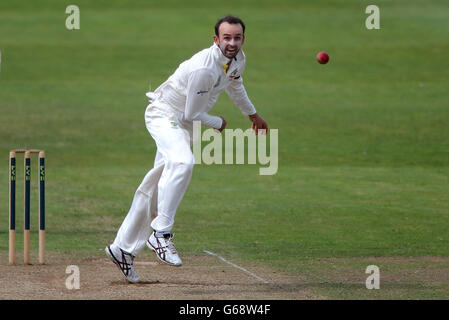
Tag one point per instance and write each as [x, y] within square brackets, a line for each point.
[221, 58]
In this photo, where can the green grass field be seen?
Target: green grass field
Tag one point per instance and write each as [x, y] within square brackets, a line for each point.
[363, 141]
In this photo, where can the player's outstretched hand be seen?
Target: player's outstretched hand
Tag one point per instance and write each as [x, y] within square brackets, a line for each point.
[258, 123]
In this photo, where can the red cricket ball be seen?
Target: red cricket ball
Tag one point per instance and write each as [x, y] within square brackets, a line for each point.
[322, 57]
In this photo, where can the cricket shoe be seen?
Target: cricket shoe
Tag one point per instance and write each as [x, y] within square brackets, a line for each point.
[162, 244]
[124, 261]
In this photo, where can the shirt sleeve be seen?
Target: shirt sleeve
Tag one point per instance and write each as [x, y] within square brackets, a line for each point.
[199, 85]
[237, 92]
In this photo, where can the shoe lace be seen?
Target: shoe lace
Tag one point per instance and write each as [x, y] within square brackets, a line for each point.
[170, 244]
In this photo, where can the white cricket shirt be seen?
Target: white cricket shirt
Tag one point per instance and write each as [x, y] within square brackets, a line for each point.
[195, 86]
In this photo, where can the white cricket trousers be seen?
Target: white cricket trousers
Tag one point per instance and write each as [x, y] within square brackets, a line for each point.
[163, 187]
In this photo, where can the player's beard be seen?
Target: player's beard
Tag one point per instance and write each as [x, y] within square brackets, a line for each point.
[228, 53]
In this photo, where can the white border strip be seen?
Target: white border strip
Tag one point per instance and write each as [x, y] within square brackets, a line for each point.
[236, 266]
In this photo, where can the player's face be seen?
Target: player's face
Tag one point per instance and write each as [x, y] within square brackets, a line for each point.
[230, 39]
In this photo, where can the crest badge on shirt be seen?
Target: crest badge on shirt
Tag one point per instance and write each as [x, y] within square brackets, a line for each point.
[234, 75]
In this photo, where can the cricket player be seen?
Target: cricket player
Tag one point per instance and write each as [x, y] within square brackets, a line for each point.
[188, 95]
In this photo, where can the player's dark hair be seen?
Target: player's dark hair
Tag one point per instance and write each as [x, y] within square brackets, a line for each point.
[231, 20]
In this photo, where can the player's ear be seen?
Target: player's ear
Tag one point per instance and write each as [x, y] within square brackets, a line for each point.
[216, 40]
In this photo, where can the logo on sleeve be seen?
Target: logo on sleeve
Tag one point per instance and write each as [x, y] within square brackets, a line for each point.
[202, 92]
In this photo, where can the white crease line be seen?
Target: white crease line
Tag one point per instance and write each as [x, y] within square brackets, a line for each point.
[236, 266]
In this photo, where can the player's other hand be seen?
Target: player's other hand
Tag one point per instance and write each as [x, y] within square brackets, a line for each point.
[223, 126]
[258, 123]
